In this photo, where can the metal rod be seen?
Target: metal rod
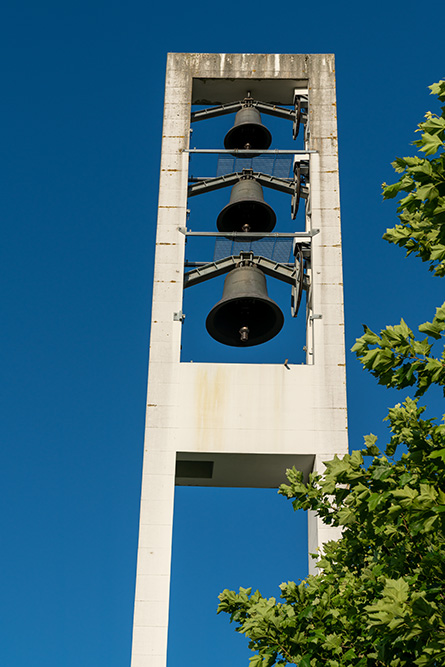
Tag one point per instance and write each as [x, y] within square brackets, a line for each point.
[198, 264]
[249, 151]
[243, 235]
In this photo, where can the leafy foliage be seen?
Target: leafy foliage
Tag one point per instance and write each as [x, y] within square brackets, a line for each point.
[379, 597]
[399, 360]
[422, 210]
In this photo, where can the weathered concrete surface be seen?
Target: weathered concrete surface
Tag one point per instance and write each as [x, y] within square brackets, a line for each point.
[200, 409]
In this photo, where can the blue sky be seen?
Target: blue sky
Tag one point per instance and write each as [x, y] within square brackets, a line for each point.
[82, 96]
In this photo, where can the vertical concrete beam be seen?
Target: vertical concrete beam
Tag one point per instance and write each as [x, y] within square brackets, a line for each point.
[158, 481]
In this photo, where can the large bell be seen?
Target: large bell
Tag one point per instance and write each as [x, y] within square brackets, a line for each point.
[245, 316]
[247, 211]
[248, 131]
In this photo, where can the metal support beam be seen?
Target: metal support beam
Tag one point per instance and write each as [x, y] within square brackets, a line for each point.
[300, 107]
[217, 182]
[214, 112]
[213, 183]
[293, 187]
[284, 272]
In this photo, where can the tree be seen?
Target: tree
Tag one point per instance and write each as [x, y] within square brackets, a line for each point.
[379, 597]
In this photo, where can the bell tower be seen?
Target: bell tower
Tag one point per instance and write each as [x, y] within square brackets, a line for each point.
[238, 423]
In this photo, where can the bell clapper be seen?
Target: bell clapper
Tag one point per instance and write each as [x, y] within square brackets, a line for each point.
[244, 333]
[245, 228]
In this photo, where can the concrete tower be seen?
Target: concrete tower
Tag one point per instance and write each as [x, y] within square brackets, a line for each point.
[200, 430]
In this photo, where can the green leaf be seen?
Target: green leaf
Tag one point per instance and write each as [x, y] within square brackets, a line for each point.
[305, 661]
[391, 191]
[438, 454]
[431, 329]
[429, 143]
[421, 607]
[438, 89]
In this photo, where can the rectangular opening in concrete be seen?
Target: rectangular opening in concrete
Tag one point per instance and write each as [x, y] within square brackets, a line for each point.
[204, 209]
[227, 538]
[238, 470]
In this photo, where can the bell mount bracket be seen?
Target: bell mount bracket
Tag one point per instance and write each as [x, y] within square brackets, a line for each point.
[297, 187]
[297, 115]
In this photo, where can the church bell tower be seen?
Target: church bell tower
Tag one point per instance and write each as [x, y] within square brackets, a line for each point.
[234, 422]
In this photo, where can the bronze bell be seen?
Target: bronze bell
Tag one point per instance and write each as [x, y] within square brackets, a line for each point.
[248, 131]
[246, 211]
[245, 316]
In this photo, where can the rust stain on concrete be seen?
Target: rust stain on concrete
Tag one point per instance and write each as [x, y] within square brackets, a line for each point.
[209, 409]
